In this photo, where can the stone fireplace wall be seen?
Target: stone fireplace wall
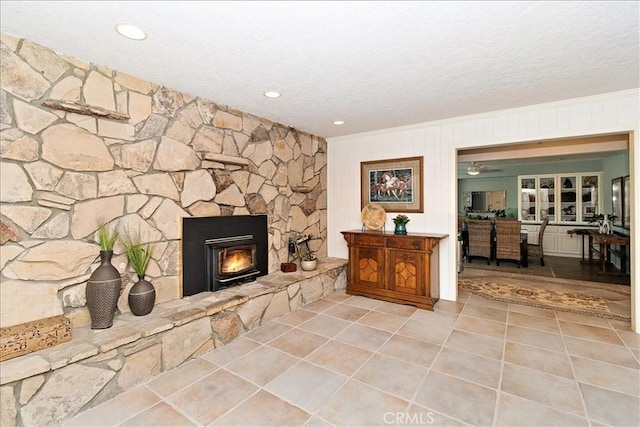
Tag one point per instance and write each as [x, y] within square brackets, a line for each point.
[63, 173]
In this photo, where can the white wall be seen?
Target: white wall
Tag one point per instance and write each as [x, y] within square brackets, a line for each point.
[438, 142]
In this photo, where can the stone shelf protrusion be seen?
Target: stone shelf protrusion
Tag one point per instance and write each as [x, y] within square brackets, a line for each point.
[88, 110]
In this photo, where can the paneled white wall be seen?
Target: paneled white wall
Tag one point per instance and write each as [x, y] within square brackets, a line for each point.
[438, 143]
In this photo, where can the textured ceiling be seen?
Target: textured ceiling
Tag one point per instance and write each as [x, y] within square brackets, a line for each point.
[374, 65]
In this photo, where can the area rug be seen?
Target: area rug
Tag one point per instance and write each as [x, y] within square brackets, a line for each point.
[573, 302]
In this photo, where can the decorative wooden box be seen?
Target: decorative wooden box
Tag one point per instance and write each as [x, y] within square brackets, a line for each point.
[33, 336]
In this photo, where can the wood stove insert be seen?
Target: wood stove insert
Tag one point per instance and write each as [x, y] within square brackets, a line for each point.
[223, 251]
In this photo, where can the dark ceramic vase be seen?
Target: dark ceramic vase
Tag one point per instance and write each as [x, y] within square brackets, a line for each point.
[142, 297]
[401, 228]
[103, 291]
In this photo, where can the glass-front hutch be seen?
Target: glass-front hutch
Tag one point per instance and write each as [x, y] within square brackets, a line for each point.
[570, 198]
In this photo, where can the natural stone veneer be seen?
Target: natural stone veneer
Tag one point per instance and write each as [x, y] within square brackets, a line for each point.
[178, 155]
[52, 385]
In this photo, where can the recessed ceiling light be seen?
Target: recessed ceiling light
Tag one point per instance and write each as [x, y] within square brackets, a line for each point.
[131, 32]
[272, 94]
[338, 122]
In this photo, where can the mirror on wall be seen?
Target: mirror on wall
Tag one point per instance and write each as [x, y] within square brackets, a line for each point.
[484, 201]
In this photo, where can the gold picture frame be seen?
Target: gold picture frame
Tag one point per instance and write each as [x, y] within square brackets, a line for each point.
[395, 184]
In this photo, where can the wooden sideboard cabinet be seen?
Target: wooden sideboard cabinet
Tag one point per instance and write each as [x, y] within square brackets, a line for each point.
[396, 268]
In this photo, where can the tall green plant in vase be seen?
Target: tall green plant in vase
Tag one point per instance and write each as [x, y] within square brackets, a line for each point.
[142, 295]
[103, 286]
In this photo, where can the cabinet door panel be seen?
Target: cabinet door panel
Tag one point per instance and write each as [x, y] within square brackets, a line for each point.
[406, 272]
[369, 267]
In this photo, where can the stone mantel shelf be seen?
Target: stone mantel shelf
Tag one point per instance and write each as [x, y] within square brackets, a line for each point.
[87, 110]
[128, 329]
[226, 159]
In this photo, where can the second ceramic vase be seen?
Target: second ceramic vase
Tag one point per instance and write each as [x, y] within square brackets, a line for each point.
[142, 297]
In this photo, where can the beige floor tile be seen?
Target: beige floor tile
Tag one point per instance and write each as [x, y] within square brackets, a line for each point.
[630, 339]
[440, 318]
[603, 352]
[394, 376]
[386, 322]
[397, 309]
[470, 367]
[486, 302]
[480, 326]
[320, 305]
[221, 391]
[535, 338]
[448, 306]
[262, 365]
[160, 414]
[619, 325]
[297, 317]
[337, 296]
[412, 350]
[230, 352]
[610, 407]
[357, 404]
[589, 332]
[267, 332]
[316, 421]
[363, 336]
[326, 326]
[532, 311]
[171, 381]
[560, 393]
[582, 319]
[298, 342]
[538, 358]
[606, 375]
[487, 313]
[339, 357]
[305, 385]
[116, 410]
[362, 302]
[477, 411]
[477, 344]
[264, 409]
[515, 411]
[347, 312]
[424, 331]
[420, 416]
[533, 322]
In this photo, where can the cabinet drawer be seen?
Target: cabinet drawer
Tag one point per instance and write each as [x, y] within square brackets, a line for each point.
[406, 243]
[368, 240]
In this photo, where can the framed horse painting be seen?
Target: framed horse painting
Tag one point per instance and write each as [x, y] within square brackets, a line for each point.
[395, 184]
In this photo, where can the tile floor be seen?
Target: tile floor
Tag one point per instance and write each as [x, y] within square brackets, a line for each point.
[350, 360]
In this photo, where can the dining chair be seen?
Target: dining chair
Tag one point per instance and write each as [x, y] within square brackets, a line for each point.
[479, 239]
[508, 241]
[536, 250]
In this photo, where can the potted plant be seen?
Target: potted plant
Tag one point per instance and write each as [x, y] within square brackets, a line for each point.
[103, 286]
[142, 295]
[401, 224]
[308, 261]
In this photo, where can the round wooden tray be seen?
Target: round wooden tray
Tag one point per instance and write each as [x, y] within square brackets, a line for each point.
[373, 216]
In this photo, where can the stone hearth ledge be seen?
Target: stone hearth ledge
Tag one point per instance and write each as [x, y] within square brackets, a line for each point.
[51, 385]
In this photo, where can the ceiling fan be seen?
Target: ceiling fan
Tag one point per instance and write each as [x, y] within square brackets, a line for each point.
[475, 169]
